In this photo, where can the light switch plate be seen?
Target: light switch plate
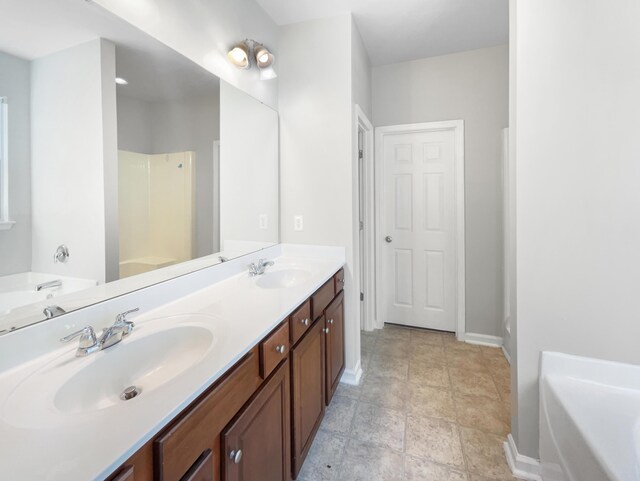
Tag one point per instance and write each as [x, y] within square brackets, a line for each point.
[298, 223]
[263, 221]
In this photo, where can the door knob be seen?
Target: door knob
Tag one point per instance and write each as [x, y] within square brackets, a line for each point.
[388, 239]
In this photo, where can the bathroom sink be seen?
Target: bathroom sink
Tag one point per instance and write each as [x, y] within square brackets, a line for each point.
[146, 363]
[282, 278]
[155, 354]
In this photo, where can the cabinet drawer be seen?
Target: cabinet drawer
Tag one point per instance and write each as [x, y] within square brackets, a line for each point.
[274, 349]
[338, 281]
[321, 299]
[125, 474]
[300, 321]
[180, 446]
[202, 470]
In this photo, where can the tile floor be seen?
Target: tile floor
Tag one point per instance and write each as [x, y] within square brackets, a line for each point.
[429, 408]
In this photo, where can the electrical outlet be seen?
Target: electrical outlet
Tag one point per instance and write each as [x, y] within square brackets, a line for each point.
[263, 221]
[298, 223]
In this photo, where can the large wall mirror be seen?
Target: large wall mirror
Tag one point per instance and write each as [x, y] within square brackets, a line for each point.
[122, 163]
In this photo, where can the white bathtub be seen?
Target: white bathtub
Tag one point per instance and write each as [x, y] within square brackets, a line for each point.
[18, 290]
[589, 419]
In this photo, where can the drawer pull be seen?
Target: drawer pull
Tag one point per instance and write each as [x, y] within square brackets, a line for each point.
[280, 349]
[305, 321]
[236, 456]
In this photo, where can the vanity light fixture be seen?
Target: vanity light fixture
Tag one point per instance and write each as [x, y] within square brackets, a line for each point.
[242, 54]
[121, 81]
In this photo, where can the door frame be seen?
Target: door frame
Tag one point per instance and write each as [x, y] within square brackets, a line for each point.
[368, 284]
[457, 126]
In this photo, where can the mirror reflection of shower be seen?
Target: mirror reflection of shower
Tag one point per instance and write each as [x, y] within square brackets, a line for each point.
[156, 207]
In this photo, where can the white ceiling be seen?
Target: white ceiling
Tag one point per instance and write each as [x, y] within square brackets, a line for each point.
[34, 28]
[401, 30]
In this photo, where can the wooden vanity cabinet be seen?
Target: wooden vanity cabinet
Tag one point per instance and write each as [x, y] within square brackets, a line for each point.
[307, 392]
[267, 407]
[256, 445]
[197, 431]
[334, 335]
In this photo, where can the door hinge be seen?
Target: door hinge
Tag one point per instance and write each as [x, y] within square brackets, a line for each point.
[361, 154]
[362, 296]
[361, 225]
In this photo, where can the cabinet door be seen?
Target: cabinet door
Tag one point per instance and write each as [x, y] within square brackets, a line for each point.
[334, 334]
[307, 391]
[200, 426]
[257, 443]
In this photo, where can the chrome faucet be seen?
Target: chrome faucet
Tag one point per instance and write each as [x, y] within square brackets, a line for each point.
[258, 268]
[120, 329]
[90, 343]
[52, 311]
[49, 285]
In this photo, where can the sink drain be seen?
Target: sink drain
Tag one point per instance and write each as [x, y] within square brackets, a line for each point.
[130, 393]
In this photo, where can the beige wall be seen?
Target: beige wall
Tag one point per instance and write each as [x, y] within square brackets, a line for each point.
[316, 164]
[360, 72]
[472, 86]
[577, 148]
[69, 140]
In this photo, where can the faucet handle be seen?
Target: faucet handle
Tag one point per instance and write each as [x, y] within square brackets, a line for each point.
[87, 337]
[122, 317]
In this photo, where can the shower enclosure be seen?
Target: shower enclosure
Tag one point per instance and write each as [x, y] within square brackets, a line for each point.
[156, 206]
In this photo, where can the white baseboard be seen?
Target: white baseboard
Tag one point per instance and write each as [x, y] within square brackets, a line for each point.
[522, 467]
[506, 354]
[483, 339]
[352, 376]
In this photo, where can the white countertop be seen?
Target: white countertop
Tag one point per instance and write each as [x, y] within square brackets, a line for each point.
[50, 445]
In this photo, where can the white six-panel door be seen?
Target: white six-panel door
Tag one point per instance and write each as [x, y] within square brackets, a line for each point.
[419, 225]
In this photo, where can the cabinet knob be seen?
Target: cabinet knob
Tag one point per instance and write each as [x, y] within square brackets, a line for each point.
[236, 456]
[280, 349]
[305, 321]
[326, 330]
[330, 321]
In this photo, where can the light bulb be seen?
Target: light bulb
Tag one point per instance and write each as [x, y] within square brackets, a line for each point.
[239, 55]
